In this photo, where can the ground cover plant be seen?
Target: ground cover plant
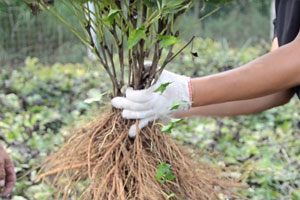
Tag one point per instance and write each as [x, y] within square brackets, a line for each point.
[34, 118]
[99, 160]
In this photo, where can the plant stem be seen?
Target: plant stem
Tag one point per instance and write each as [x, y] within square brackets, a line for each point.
[171, 58]
[105, 64]
[131, 71]
[154, 64]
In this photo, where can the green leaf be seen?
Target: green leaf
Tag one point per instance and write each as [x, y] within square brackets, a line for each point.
[169, 176]
[176, 121]
[162, 87]
[171, 196]
[164, 173]
[160, 171]
[168, 128]
[177, 104]
[167, 40]
[174, 4]
[92, 100]
[135, 36]
[94, 96]
[111, 15]
[150, 3]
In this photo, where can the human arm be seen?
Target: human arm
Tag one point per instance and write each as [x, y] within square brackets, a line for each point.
[275, 44]
[276, 71]
[242, 107]
[148, 106]
[268, 76]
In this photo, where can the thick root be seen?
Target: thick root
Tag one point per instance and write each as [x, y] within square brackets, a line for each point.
[101, 162]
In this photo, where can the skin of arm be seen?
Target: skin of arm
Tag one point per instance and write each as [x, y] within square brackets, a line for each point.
[276, 71]
[274, 44]
[242, 107]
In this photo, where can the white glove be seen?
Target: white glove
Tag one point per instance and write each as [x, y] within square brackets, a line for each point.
[148, 105]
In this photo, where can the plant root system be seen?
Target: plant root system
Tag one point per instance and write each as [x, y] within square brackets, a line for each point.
[100, 162]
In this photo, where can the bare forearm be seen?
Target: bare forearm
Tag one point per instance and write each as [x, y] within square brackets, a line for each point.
[272, 73]
[274, 44]
[236, 108]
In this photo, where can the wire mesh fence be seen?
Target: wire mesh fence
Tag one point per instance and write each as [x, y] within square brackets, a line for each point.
[22, 34]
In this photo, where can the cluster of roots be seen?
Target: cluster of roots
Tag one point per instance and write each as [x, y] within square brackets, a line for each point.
[100, 162]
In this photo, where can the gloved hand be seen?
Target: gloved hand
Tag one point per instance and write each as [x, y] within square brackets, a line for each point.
[148, 105]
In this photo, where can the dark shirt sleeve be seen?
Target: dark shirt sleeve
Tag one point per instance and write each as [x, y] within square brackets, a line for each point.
[287, 24]
[297, 91]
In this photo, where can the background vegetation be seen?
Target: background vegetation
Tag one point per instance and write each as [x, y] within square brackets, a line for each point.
[22, 34]
[42, 98]
[40, 103]
[237, 22]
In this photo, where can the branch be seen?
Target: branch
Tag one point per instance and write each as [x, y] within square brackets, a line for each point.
[132, 14]
[111, 56]
[103, 52]
[171, 58]
[170, 53]
[130, 71]
[137, 78]
[121, 60]
[120, 54]
[155, 60]
[141, 58]
[105, 65]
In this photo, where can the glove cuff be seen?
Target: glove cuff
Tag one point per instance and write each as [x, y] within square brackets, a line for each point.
[185, 92]
[190, 90]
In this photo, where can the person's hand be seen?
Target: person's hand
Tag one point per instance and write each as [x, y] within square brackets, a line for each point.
[7, 173]
[149, 104]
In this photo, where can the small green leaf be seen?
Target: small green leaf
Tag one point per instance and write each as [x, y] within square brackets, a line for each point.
[162, 87]
[135, 36]
[177, 104]
[167, 40]
[174, 4]
[176, 121]
[111, 16]
[169, 176]
[168, 128]
[92, 100]
[160, 171]
[150, 3]
[171, 196]
[164, 173]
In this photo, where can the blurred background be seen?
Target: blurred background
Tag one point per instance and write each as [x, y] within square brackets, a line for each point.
[243, 22]
[49, 85]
